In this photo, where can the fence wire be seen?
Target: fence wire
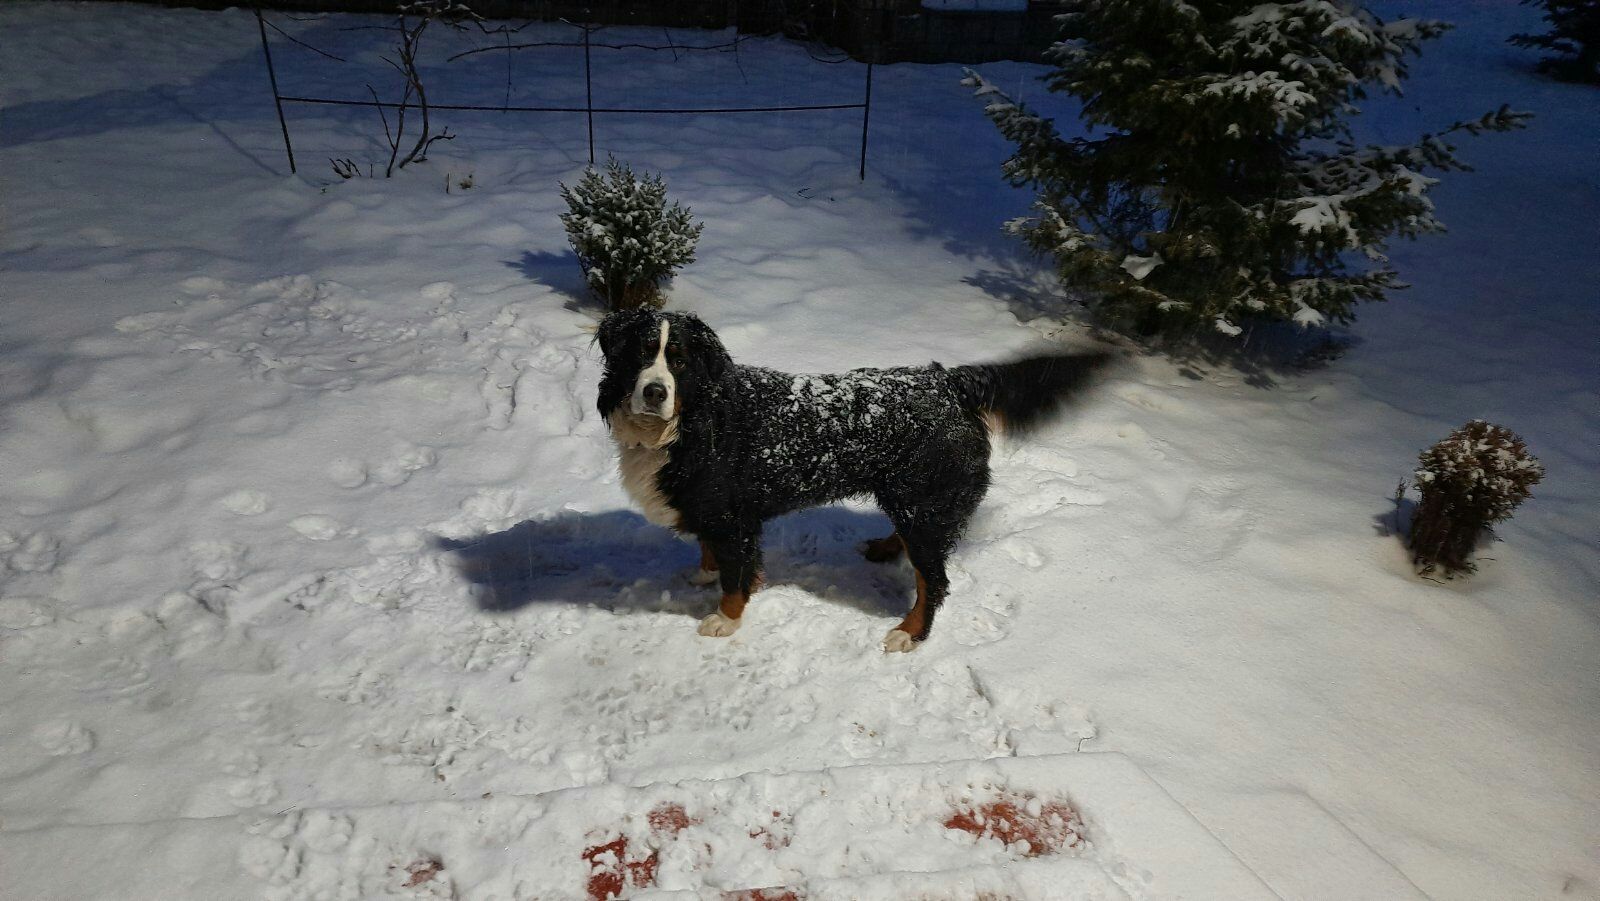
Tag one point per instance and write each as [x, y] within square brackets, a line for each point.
[589, 109]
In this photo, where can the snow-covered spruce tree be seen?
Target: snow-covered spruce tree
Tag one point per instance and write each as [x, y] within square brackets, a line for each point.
[1469, 481]
[1574, 37]
[1219, 182]
[627, 239]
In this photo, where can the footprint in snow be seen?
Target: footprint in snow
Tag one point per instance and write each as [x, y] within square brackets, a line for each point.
[325, 832]
[406, 459]
[439, 291]
[247, 502]
[262, 423]
[1214, 523]
[26, 613]
[61, 738]
[347, 473]
[116, 677]
[1144, 397]
[317, 527]
[218, 561]
[255, 791]
[202, 286]
[34, 552]
[1023, 551]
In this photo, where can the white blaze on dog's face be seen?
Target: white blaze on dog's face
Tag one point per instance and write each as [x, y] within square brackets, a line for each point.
[655, 392]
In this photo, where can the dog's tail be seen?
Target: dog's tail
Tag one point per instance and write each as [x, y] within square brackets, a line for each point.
[1021, 395]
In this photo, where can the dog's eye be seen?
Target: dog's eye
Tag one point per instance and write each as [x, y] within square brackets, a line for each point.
[674, 357]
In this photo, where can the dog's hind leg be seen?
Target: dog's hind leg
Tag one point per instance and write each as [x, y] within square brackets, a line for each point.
[929, 501]
[738, 563]
[927, 554]
[882, 550]
[707, 573]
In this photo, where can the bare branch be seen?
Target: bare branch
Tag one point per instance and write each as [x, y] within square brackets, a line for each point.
[379, 104]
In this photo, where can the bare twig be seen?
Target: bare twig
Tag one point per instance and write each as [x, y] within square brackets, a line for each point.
[444, 135]
[379, 104]
[408, 31]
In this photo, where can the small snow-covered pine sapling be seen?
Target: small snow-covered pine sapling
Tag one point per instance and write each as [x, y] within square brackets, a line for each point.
[1574, 38]
[1468, 482]
[1217, 181]
[627, 238]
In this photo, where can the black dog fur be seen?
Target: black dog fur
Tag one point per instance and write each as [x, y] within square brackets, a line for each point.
[753, 443]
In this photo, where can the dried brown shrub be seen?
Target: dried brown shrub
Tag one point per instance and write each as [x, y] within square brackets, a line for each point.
[1469, 481]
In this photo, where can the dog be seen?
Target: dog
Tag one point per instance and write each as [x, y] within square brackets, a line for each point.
[713, 449]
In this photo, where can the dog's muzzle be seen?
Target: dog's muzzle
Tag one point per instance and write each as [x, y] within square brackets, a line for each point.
[653, 398]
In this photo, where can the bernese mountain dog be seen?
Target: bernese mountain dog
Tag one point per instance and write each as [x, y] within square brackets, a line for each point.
[714, 449]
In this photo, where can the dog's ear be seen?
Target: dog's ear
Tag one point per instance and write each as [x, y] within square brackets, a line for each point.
[707, 348]
[611, 335]
[614, 325]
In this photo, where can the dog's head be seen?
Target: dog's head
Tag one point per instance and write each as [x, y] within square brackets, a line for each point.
[657, 364]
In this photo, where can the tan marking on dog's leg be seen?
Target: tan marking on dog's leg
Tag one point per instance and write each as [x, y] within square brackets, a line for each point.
[900, 637]
[732, 605]
[882, 550]
[726, 620]
[707, 573]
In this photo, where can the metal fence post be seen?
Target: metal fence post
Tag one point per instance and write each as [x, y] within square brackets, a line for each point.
[866, 115]
[588, 92]
[276, 97]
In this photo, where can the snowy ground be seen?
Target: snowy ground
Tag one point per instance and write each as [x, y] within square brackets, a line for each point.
[264, 440]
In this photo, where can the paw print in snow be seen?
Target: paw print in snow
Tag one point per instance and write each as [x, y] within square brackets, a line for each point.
[31, 553]
[247, 502]
[317, 527]
[406, 459]
[63, 737]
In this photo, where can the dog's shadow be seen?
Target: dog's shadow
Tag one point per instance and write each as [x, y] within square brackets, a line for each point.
[616, 560]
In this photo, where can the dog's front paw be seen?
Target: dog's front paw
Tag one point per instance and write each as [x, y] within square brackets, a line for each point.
[899, 641]
[718, 626]
[703, 577]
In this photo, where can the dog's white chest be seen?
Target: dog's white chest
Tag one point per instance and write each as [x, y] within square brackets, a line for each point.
[639, 466]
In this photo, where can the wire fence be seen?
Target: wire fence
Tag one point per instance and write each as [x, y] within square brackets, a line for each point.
[589, 109]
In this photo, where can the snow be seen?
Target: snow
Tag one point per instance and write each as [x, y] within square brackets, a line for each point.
[1287, 96]
[1139, 267]
[311, 539]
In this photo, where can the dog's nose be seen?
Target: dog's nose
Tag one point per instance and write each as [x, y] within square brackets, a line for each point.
[655, 394]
